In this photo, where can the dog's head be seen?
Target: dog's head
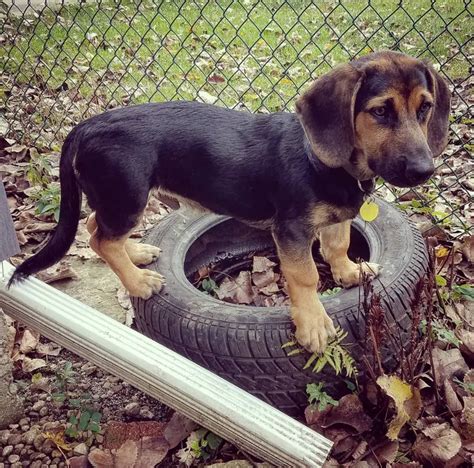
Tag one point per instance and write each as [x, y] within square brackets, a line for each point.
[384, 114]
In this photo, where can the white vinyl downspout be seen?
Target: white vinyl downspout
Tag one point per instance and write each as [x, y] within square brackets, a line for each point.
[211, 401]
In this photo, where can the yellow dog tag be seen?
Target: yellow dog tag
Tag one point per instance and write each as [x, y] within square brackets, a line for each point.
[369, 210]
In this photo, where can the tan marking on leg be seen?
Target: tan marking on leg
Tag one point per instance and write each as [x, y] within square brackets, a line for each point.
[141, 254]
[335, 240]
[91, 223]
[138, 282]
[313, 325]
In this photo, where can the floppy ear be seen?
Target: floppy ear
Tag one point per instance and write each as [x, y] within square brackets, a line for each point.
[326, 112]
[439, 119]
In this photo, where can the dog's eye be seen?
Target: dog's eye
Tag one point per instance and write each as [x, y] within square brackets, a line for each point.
[425, 107]
[380, 111]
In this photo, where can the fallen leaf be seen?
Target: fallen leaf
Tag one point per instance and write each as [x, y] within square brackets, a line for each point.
[48, 349]
[388, 451]
[178, 428]
[29, 341]
[438, 443]
[101, 458]
[214, 78]
[261, 264]
[447, 363]
[349, 412]
[407, 402]
[263, 278]
[30, 365]
[238, 291]
[468, 248]
[468, 411]
[467, 345]
[117, 433]
[272, 288]
[126, 454]
[452, 399]
[151, 451]
[57, 272]
[38, 227]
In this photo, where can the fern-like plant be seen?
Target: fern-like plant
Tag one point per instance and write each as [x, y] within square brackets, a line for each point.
[335, 355]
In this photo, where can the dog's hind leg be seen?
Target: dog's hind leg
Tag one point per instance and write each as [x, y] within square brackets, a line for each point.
[110, 229]
[112, 249]
[139, 253]
[335, 240]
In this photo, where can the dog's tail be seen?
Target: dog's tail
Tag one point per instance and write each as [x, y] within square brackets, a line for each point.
[70, 208]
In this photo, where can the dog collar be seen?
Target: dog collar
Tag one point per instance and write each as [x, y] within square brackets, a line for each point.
[366, 186]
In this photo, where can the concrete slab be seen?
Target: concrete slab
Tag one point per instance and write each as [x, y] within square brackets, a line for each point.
[96, 286]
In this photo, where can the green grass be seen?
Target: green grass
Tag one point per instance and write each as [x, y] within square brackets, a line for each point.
[264, 52]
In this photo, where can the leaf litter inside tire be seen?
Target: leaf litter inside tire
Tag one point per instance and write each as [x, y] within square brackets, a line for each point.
[254, 279]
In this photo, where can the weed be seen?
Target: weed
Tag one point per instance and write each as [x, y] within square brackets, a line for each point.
[84, 417]
[335, 355]
[467, 386]
[47, 201]
[209, 286]
[441, 332]
[319, 398]
[200, 445]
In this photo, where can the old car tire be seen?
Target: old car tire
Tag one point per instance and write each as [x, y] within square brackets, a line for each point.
[243, 344]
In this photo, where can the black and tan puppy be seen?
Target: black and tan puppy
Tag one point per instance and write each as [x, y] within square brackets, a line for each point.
[303, 174]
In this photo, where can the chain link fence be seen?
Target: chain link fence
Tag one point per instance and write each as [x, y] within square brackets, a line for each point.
[63, 61]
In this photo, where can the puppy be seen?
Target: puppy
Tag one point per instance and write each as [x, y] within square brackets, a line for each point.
[303, 174]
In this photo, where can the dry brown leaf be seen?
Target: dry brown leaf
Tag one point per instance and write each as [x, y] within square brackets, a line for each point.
[264, 278]
[30, 365]
[467, 345]
[261, 264]
[126, 454]
[99, 458]
[238, 291]
[151, 451]
[388, 451]
[407, 402]
[468, 411]
[446, 363]
[452, 399]
[272, 288]
[178, 428]
[349, 412]
[48, 349]
[437, 444]
[468, 248]
[29, 341]
[61, 271]
[38, 227]
[119, 432]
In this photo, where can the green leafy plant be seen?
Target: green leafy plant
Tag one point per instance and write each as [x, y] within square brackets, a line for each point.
[47, 200]
[462, 291]
[467, 386]
[335, 355]
[39, 169]
[330, 292]
[209, 286]
[319, 398]
[86, 419]
[200, 445]
[441, 332]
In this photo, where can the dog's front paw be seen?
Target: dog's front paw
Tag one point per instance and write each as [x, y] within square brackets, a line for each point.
[142, 254]
[313, 328]
[146, 284]
[349, 273]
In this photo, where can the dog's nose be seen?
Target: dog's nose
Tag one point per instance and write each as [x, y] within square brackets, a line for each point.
[419, 171]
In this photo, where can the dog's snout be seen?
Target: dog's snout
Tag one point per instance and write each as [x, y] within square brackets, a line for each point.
[419, 170]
